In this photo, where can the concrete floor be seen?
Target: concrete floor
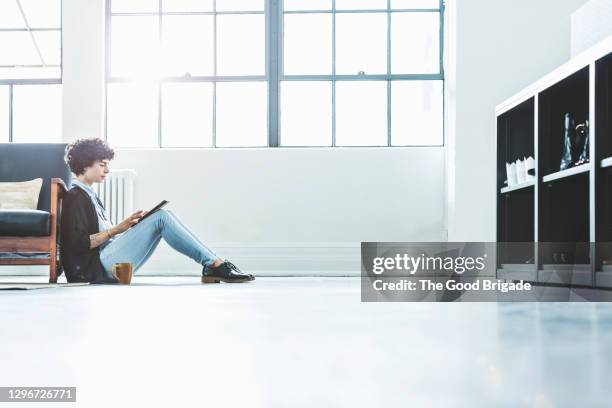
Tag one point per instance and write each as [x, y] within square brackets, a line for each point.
[300, 342]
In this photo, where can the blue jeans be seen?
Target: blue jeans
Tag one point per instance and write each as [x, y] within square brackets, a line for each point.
[137, 244]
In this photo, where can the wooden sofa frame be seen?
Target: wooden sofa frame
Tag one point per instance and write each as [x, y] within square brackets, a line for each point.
[47, 244]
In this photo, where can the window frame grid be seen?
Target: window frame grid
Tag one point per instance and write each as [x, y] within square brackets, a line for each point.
[214, 79]
[34, 81]
[388, 77]
[274, 66]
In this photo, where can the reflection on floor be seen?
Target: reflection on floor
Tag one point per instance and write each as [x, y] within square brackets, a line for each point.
[300, 342]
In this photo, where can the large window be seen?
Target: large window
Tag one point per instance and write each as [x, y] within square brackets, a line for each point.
[30, 71]
[239, 73]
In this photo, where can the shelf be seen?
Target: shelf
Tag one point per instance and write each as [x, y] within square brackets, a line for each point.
[579, 274]
[517, 187]
[603, 279]
[607, 162]
[583, 168]
[526, 272]
[578, 268]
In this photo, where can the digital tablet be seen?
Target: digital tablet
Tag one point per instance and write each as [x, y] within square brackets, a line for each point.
[154, 209]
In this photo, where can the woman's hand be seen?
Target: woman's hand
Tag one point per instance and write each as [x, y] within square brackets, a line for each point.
[128, 222]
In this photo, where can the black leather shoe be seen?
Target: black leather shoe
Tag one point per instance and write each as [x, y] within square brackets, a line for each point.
[226, 272]
[235, 268]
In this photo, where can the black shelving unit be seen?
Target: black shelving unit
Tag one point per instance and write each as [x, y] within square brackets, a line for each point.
[558, 228]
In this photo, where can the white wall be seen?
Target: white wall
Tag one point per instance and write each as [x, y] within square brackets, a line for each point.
[282, 210]
[501, 47]
[291, 209]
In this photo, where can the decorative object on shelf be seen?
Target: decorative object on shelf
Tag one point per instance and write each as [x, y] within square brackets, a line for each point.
[511, 174]
[530, 169]
[582, 139]
[520, 171]
[575, 143]
[569, 152]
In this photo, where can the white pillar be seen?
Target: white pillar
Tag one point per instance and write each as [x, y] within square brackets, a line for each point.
[83, 34]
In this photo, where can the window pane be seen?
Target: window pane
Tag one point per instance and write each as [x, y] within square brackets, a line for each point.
[242, 114]
[360, 4]
[10, 17]
[134, 6]
[361, 113]
[134, 46]
[37, 113]
[307, 5]
[240, 5]
[4, 114]
[241, 44]
[188, 45]
[187, 114]
[359, 49]
[40, 14]
[308, 44]
[17, 48]
[416, 113]
[408, 4]
[306, 113]
[50, 45]
[132, 114]
[415, 43]
[187, 5]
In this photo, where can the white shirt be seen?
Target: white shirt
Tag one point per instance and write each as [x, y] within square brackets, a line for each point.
[104, 223]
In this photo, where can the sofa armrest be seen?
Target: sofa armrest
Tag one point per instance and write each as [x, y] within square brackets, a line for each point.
[58, 188]
[59, 184]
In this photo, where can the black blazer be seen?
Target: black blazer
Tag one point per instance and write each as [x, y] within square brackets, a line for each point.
[79, 220]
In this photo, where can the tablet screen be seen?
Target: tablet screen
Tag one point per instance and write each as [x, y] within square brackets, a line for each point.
[154, 209]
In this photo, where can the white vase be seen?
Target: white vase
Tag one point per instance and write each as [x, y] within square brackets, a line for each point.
[511, 174]
[529, 165]
[520, 171]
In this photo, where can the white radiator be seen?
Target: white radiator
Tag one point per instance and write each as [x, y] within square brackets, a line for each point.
[117, 194]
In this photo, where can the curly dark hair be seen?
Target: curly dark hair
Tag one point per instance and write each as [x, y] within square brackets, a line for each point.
[84, 152]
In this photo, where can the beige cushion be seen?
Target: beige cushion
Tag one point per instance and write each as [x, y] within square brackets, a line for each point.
[22, 195]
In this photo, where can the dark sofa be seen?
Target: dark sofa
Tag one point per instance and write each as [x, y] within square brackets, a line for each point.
[31, 237]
